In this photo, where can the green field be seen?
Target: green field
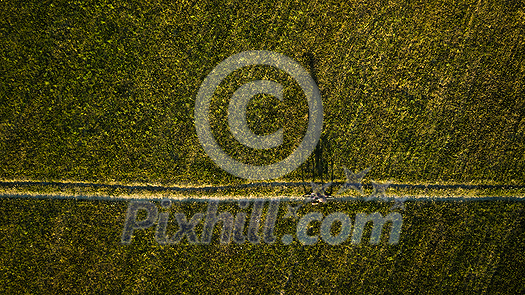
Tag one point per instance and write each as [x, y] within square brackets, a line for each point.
[98, 91]
[70, 246]
[97, 107]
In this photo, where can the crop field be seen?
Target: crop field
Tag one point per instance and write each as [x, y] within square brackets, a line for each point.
[107, 186]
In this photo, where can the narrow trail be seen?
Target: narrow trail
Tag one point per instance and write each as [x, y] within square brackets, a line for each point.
[136, 191]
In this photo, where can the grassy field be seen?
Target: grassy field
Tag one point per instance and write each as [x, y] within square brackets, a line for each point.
[97, 101]
[71, 246]
[422, 92]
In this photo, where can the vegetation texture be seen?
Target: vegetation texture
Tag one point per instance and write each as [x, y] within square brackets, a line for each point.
[73, 247]
[104, 92]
